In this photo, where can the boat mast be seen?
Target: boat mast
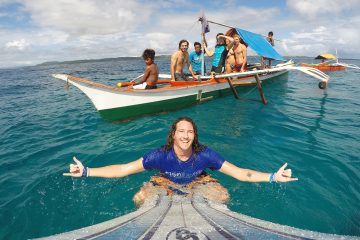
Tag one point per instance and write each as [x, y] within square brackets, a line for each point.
[202, 52]
[337, 59]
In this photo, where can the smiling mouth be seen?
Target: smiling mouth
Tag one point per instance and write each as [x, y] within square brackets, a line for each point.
[185, 141]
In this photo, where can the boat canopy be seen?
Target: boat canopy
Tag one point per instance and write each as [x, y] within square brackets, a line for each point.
[326, 56]
[259, 44]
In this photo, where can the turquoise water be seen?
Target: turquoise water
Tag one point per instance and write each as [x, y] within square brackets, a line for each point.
[43, 125]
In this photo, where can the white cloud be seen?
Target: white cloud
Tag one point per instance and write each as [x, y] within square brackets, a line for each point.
[162, 42]
[78, 17]
[313, 40]
[321, 8]
[21, 44]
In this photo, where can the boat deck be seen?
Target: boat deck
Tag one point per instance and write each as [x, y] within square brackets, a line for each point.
[180, 217]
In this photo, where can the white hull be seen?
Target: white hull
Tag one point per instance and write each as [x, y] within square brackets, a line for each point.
[104, 97]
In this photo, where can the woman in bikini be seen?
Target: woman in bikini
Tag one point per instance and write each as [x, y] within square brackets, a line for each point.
[230, 61]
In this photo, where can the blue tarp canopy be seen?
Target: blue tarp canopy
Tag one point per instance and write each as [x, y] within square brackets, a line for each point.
[259, 44]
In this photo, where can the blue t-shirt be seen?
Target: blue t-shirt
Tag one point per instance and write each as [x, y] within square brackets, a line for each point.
[178, 171]
[195, 60]
[220, 54]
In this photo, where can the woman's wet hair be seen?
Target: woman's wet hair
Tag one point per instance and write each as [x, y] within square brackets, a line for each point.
[197, 147]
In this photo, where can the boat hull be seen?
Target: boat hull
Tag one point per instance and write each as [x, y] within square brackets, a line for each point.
[117, 104]
[168, 105]
[325, 67]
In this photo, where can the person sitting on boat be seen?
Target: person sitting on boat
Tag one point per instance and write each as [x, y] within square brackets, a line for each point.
[178, 61]
[270, 39]
[151, 73]
[237, 56]
[220, 52]
[196, 58]
[180, 161]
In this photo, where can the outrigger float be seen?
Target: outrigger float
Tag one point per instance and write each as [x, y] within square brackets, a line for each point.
[180, 217]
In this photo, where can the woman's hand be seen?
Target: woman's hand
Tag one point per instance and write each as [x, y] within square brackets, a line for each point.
[284, 175]
[76, 170]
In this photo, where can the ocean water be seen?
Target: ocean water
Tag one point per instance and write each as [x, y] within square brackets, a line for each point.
[43, 125]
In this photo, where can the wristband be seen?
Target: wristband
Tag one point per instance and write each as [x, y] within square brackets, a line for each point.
[272, 178]
[85, 172]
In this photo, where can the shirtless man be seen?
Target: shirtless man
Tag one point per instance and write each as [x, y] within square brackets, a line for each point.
[237, 56]
[151, 73]
[178, 60]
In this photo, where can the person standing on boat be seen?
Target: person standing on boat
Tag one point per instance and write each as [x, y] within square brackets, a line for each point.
[180, 161]
[223, 44]
[237, 56]
[178, 61]
[270, 39]
[151, 73]
[195, 58]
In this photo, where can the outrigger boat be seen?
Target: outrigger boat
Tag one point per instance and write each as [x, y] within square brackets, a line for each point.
[120, 103]
[329, 63]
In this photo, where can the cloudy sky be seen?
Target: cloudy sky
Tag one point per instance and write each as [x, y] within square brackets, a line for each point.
[36, 31]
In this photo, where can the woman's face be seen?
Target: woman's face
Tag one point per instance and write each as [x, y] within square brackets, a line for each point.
[184, 135]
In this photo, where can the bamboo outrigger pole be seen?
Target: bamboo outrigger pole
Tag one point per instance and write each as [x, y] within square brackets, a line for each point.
[263, 99]
[233, 89]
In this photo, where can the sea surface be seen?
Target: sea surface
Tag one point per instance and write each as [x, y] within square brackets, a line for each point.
[43, 125]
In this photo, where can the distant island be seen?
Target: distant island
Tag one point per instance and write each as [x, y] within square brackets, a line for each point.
[139, 58]
[97, 60]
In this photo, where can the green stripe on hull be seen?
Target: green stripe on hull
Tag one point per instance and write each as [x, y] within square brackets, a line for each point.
[128, 112]
[124, 113]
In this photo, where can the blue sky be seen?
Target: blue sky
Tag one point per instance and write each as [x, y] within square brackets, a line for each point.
[35, 31]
